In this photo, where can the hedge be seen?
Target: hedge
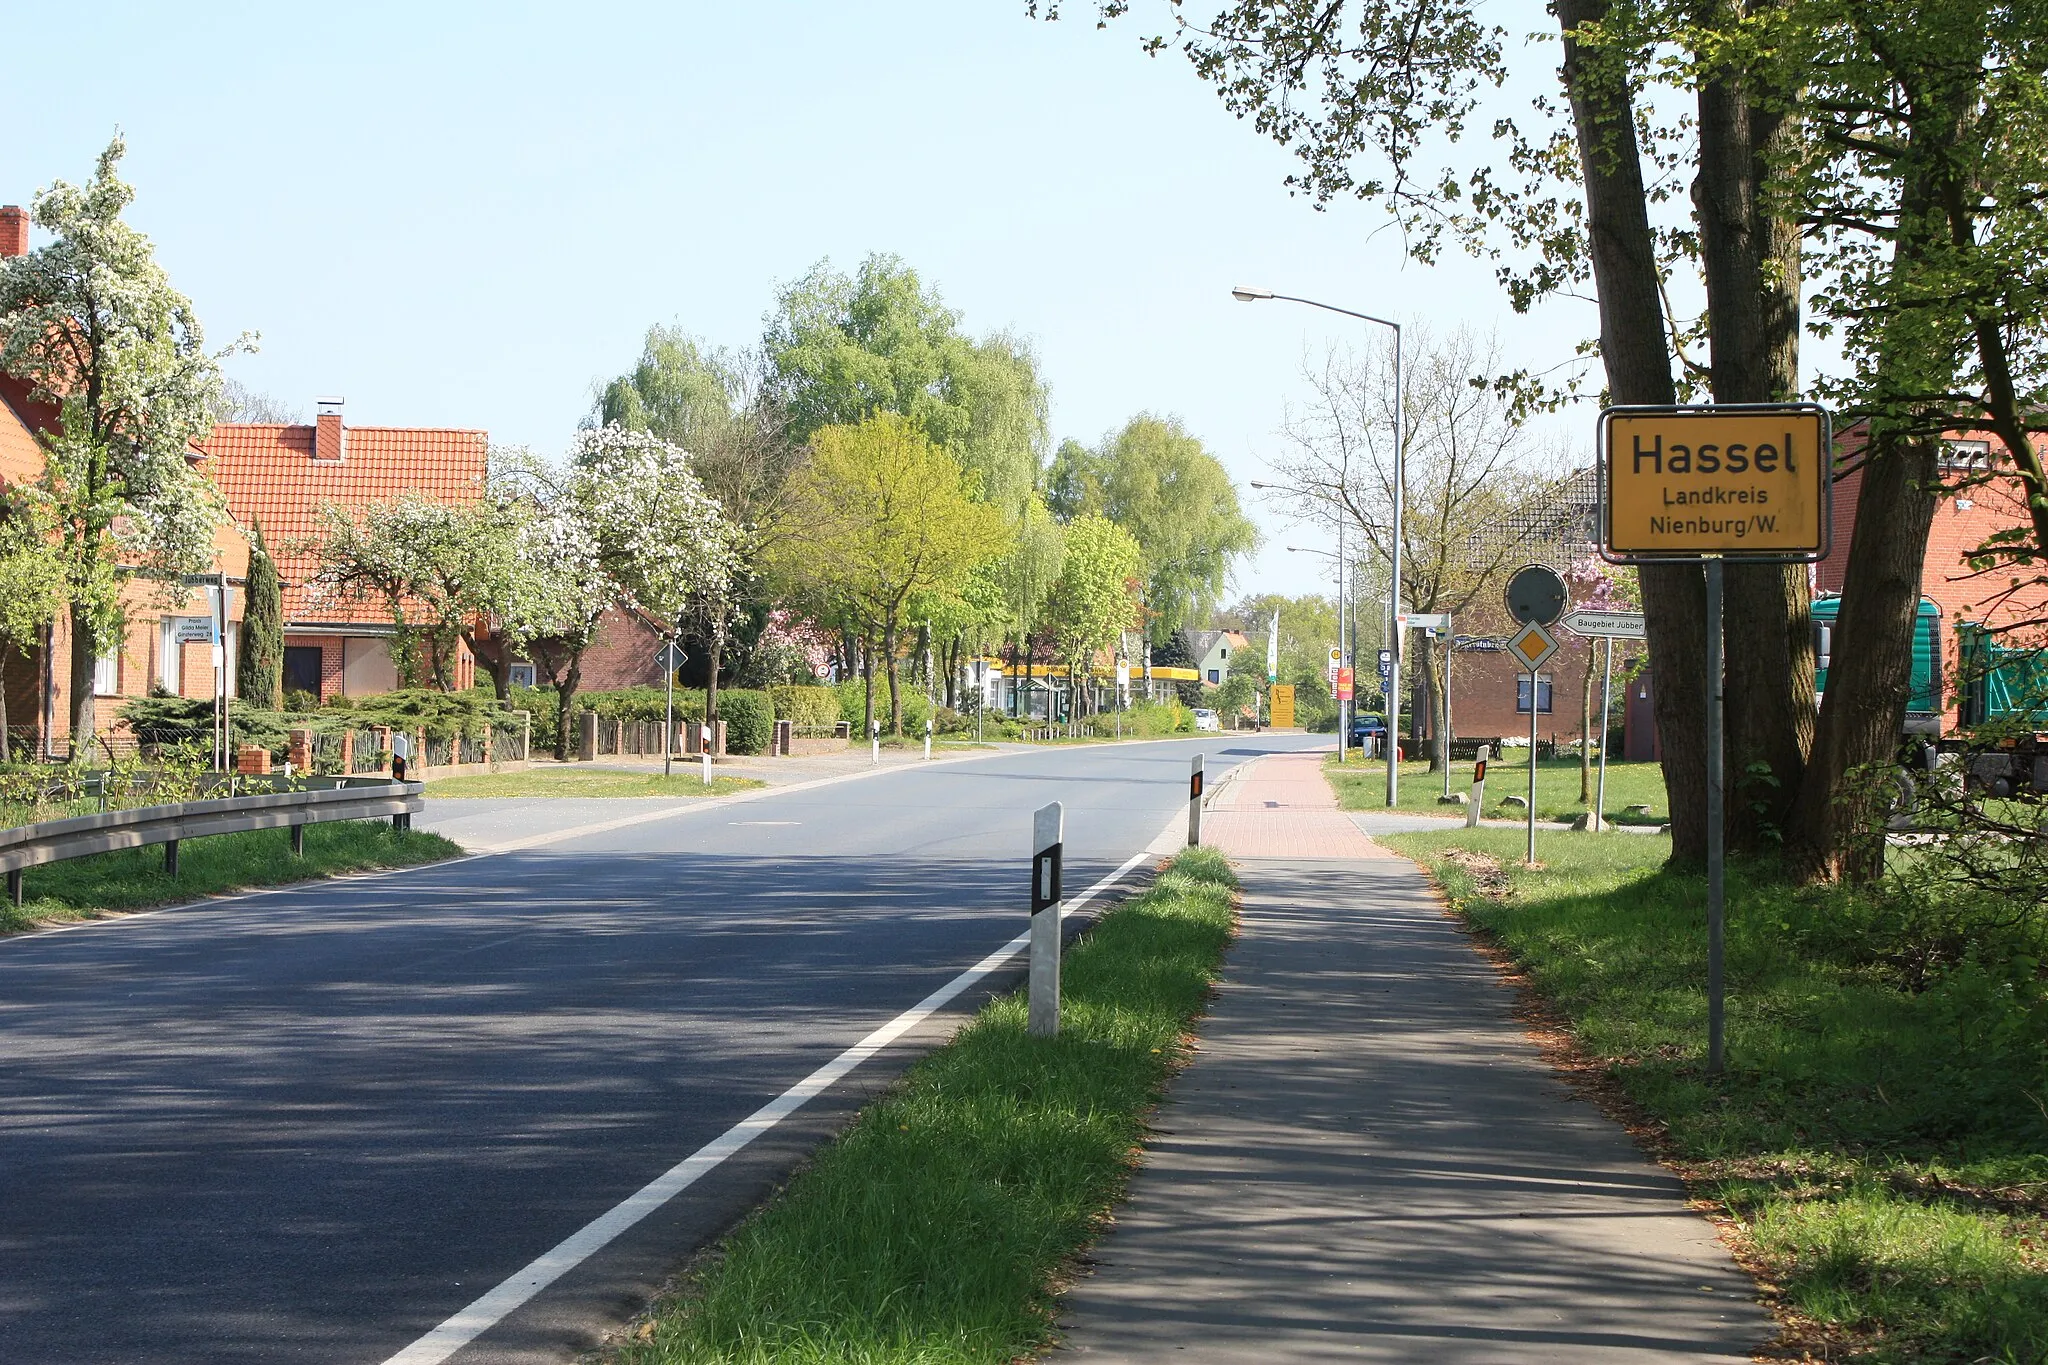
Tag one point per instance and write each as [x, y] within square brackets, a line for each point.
[806, 707]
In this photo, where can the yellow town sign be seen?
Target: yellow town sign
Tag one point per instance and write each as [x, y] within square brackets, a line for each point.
[1739, 481]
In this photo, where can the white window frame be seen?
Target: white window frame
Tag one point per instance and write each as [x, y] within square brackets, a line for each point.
[106, 674]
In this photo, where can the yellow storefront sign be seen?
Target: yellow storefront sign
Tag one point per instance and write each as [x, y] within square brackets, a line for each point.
[1741, 481]
[1280, 706]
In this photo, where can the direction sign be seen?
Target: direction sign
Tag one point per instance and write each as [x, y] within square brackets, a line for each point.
[1742, 480]
[1537, 593]
[1423, 620]
[670, 657]
[1532, 646]
[1618, 625]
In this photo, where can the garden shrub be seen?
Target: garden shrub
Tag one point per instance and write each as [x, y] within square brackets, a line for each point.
[806, 707]
[749, 717]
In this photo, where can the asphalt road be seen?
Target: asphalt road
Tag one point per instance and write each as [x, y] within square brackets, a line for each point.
[309, 1125]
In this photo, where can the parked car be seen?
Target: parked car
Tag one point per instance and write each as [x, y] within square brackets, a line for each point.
[1205, 719]
[1366, 726]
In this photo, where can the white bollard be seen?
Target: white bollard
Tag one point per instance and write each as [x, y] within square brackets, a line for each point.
[875, 742]
[705, 750]
[1478, 788]
[927, 740]
[1047, 833]
[1195, 802]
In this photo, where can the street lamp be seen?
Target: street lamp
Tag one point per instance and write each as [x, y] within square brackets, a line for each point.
[1247, 294]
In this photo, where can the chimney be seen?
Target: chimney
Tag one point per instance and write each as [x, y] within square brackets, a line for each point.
[330, 441]
[13, 230]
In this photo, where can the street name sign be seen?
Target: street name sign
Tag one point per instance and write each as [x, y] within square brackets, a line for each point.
[1423, 620]
[1617, 625]
[1532, 646]
[1746, 481]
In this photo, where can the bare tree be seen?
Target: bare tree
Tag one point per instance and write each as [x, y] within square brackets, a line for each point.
[1477, 491]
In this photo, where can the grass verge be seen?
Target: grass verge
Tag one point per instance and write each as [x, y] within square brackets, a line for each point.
[936, 1226]
[685, 781]
[1882, 1148]
[1362, 785]
[134, 879]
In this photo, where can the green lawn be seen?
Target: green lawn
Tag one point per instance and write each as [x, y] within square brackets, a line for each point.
[1362, 785]
[1880, 1136]
[936, 1226]
[686, 780]
[134, 879]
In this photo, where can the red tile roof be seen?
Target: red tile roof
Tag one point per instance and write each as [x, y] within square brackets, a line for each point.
[268, 471]
[21, 458]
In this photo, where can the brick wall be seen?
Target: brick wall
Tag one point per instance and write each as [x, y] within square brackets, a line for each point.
[621, 654]
[1963, 519]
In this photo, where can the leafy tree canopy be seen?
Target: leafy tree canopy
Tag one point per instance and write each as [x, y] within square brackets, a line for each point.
[843, 348]
[1176, 499]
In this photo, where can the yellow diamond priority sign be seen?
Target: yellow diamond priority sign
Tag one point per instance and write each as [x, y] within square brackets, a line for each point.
[1532, 646]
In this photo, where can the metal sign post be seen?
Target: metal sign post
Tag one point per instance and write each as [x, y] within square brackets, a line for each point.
[1609, 626]
[1716, 827]
[1705, 484]
[1532, 647]
[669, 658]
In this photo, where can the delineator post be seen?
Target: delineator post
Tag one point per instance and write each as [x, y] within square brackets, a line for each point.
[1048, 830]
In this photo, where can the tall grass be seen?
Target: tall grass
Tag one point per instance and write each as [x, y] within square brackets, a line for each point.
[934, 1227]
[1880, 1133]
[134, 879]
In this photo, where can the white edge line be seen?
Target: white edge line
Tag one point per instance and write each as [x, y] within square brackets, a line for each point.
[493, 1307]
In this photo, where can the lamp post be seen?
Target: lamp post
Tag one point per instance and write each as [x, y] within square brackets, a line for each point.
[1245, 294]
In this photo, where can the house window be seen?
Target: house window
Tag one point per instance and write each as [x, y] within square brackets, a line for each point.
[1542, 694]
[1966, 456]
[522, 675]
[106, 674]
[302, 668]
[1215, 675]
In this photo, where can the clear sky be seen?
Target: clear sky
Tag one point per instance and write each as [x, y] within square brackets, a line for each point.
[468, 215]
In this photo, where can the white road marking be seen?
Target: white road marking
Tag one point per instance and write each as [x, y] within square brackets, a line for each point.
[764, 822]
[493, 1307]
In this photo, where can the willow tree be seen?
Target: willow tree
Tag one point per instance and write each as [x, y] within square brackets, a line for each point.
[1155, 479]
[90, 321]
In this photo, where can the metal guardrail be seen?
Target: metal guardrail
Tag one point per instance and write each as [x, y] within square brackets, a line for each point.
[56, 841]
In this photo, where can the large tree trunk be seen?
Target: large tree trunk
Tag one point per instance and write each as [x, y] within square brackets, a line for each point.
[867, 674]
[1837, 829]
[6, 745]
[1586, 730]
[711, 672]
[889, 662]
[1429, 703]
[84, 664]
[565, 695]
[1837, 825]
[1751, 263]
[1634, 352]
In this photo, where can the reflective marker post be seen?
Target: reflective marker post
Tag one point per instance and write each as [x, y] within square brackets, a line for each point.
[1195, 802]
[1047, 835]
[1478, 787]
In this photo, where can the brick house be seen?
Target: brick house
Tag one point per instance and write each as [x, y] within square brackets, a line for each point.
[1963, 519]
[158, 648]
[282, 473]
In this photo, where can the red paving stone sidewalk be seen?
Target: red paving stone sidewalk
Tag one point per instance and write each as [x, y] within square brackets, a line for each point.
[1283, 807]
